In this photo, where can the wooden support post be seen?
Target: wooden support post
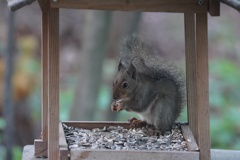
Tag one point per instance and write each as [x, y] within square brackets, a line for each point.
[48, 146]
[197, 80]
[191, 142]
[202, 86]
[41, 145]
[53, 82]
[190, 43]
[45, 76]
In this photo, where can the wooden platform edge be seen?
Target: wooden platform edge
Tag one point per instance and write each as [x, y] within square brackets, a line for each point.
[96, 124]
[63, 153]
[78, 154]
[133, 155]
[133, 5]
[62, 139]
[216, 154]
[63, 147]
[191, 142]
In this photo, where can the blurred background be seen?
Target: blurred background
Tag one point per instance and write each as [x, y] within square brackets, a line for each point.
[88, 63]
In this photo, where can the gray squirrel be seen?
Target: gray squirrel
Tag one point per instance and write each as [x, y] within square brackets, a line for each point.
[147, 85]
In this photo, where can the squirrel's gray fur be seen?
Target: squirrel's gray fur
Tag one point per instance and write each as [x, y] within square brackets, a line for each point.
[158, 95]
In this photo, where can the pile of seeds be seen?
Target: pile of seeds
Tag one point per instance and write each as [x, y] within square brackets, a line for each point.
[119, 138]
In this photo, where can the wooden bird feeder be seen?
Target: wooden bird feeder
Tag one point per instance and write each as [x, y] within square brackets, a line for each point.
[53, 143]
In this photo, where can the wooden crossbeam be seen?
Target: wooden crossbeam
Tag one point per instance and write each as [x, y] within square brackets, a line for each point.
[181, 6]
[214, 7]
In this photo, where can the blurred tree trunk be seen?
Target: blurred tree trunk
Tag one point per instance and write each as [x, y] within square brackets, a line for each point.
[135, 19]
[8, 98]
[19, 129]
[94, 44]
[124, 24]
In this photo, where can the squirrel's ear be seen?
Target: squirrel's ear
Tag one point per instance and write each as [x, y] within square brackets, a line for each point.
[120, 65]
[132, 71]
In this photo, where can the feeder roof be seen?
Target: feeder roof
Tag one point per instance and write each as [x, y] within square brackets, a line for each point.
[17, 4]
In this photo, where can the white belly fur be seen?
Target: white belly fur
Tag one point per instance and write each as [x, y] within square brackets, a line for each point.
[147, 115]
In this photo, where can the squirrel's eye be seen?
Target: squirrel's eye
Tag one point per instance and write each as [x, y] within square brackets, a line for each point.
[125, 85]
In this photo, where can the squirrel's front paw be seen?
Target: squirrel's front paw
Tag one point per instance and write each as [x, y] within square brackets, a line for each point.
[116, 106]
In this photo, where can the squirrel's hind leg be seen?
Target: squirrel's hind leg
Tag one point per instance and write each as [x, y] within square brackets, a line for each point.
[136, 123]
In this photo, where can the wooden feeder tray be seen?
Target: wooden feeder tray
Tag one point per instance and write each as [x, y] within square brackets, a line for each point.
[99, 154]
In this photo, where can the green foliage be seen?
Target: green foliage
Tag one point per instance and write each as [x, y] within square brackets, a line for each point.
[35, 103]
[104, 97]
[2, 123]
[66, 98]
[103, 103]
[2, 152]
[224, 101]
[17, 153]
[183, 116]
[124, 115]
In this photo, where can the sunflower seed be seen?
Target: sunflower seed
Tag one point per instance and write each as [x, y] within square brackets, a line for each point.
[119, 138]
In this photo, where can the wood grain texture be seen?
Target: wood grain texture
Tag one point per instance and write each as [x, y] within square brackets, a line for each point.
[62, 139]
[44, 66]
[53, 82]
[40, 148]
[214, 7]
[197, 80]
[63, 147]
[187, 134]
[191, 76]
[41, 145]
[63, 153]
[134, 5]
[44, 5]
[112, 154]
[202, 86]
[217, 154]
[77, 154]
[96, 124]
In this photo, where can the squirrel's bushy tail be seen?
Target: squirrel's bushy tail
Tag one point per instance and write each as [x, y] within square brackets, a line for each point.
[135, 46]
